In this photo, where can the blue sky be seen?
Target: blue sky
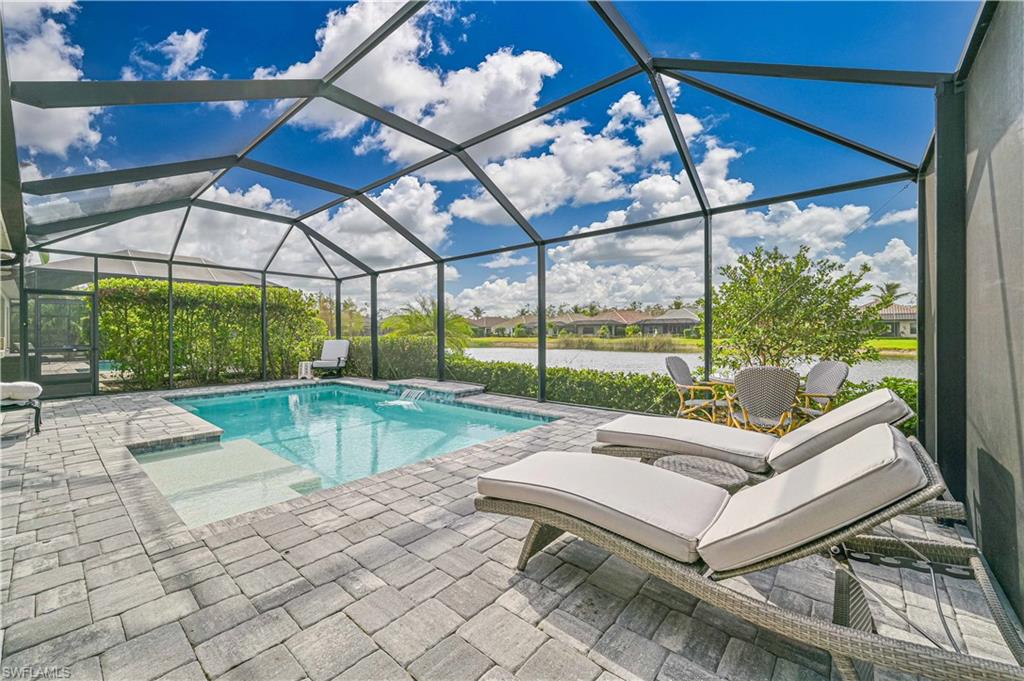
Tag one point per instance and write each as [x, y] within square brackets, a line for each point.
[459, 69]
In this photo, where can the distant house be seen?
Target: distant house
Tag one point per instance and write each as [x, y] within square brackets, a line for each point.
[673, 322]
[486, 326]
[615, 321]
[900, 321]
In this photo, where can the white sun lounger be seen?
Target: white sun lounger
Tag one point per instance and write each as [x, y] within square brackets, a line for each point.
[693, 534]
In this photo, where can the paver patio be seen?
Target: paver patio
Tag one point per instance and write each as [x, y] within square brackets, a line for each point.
[393, 576]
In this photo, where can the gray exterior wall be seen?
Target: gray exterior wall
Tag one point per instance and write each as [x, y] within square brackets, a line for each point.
[995, 297]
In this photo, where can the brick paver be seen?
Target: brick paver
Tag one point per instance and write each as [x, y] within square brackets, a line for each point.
[393, 576]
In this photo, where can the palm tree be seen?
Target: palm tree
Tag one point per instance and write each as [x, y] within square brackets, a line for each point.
[420, 319]
[888, 293]
[477, 312]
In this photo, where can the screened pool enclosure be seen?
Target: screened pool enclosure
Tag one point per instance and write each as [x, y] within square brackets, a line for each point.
[209, 285]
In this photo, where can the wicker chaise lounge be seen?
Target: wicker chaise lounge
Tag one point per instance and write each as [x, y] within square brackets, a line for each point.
[759, 455]
[693, 535]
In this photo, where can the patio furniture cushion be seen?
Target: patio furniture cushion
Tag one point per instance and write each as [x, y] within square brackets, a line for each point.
[20, 391]
[659, 509]
[743, 448]
[877, 407]
[334, 354]
[869, 471]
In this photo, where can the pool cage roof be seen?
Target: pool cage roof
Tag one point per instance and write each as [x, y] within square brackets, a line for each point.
[183, 185]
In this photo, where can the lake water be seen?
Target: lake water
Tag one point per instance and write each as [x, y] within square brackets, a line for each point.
[647, 362]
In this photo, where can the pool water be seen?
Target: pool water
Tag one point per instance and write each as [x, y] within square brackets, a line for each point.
[280, 444]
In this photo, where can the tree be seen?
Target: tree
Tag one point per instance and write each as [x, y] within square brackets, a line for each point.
[778, 310]
[888, 293]
[353, 321]
[420, 319]
[632, 330]
[604, 332]
[590, 309]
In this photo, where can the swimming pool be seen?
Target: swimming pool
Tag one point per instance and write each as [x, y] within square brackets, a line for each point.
[279, 444]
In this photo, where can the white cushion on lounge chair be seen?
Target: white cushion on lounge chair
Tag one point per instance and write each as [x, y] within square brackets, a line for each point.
[743, 448]
[333, 355]
[659, 509]
[831, 428]
[871, 470]
[20, 391]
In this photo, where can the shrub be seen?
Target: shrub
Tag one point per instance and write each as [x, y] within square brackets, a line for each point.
[906, 388]
[217, 334]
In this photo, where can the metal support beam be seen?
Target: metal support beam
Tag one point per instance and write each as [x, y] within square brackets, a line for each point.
[682, 148]
[792, 120]
[709, 335]
[379, 35]
[73, 183]
[609, 13]
[23, 321]
[394, 224]
[922, 297]
[330, 245]
[264, 330]
[181, 230]
[95, 331]
[473, 167]
[386, 118]
[239, 210]
[374, 345]
[170, 325]
[11, 209]
[542, 326]
[277, 248]
[297, 178]
[321, 254]
[82, 93]
[337, 308]
[950, 303]
[439, 322]
[924, 79]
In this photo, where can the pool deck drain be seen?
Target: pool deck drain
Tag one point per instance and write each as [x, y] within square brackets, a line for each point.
[392, 576]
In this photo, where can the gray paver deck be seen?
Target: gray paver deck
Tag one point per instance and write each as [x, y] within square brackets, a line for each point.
[393, 576]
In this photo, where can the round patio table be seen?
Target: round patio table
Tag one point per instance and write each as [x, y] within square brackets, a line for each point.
[718, 473]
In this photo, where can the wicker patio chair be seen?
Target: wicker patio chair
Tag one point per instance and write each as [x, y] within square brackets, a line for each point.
[696, 400]
[850, 638]
[763, 399]
[822, 385]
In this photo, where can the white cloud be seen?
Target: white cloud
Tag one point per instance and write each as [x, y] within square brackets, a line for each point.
[896, 262]
[505, 260]
[39, 48]
[365, 236]
[256, 197]
[174, 58]
[895, 217]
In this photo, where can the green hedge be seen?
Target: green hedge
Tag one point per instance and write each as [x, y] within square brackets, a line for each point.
[906, 388]
[650, 393]
[217, 334]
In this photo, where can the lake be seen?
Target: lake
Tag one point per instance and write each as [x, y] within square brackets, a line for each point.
[647, 362]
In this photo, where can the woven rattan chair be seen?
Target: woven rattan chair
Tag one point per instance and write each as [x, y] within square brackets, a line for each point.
[696, 400]
[822, 385]
[850, 638]
[763, 399]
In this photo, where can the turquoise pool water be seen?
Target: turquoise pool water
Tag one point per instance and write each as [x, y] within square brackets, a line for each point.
[341, 433]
